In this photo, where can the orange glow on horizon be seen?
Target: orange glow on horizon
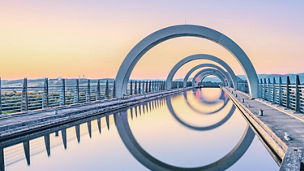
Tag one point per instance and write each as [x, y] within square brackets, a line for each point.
[56, 39]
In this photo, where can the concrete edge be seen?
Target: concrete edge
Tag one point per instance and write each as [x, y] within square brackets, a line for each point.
[270, 137]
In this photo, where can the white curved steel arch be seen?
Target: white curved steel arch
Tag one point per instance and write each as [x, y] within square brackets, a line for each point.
[210, 71]
[231, 75]
[198, 57]
[171, 32]
[224, 73]
[204, 75]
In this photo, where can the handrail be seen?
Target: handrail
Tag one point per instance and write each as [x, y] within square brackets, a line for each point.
[289, 95]
[45, 93]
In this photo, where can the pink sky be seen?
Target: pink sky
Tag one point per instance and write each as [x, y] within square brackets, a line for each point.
[62, 38]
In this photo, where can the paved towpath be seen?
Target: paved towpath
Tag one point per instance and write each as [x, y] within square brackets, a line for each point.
[281, 129]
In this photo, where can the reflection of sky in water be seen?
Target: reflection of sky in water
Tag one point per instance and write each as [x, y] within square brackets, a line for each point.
[157, 132]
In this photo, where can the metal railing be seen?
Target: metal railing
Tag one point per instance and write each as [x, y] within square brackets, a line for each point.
[289, 95]
[44, 93]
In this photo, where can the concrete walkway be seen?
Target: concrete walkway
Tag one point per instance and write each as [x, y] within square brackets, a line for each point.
[282, 131]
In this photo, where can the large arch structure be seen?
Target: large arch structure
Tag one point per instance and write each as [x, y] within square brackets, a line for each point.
[198, 57]
[206, 74]
[224, 73]
[231, 75]
[210, 71]
[171, 32]
[171, 74]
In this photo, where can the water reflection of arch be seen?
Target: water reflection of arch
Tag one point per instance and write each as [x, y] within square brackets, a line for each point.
[210, 71]
[199, 128]
[123, 128]
[203, 100]
[226, 100]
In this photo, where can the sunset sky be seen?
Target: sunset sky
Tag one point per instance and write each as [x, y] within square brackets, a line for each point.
[90, 38]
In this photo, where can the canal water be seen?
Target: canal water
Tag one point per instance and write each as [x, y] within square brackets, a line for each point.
[197, 129]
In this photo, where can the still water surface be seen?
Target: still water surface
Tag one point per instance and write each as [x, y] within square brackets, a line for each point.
[188, 130]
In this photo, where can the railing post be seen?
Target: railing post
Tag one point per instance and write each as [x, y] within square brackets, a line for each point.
[98, 90]
[135, 87]
[45, 96]
[147, 88]
[114, 89]
[269, 90]
[150, 86]
[62, 92]
[243, 86]
[139, 87]
[273, 90]
[143, 87]
[297, 108]
[76, 92]
[24, 101]
[288, 93]
[107, 90]
[131, 87]
[0, 96]
[161, 85]
[155, 86]
[265, 89]
[280, 91]
[261, 88]
[88, 92]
